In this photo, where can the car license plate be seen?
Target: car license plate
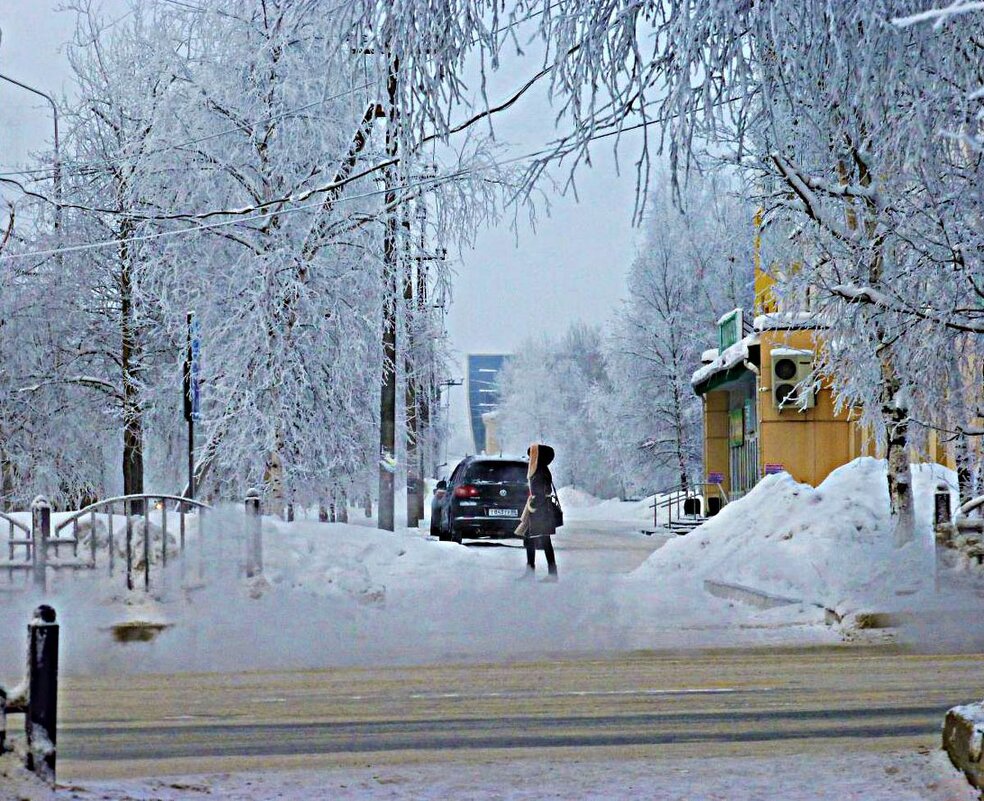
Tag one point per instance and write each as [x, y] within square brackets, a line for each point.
[503, 513]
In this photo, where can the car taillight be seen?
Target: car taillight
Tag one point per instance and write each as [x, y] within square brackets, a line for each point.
[466, 491]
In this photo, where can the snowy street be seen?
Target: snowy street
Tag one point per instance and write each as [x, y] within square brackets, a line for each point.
[305, 302]
[390, 665]
[646, 722]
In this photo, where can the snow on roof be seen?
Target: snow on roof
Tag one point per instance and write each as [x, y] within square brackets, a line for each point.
[786, 321]
[708, 356]
[731, 357]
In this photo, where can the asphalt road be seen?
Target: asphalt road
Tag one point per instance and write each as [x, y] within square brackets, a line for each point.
[645, 704]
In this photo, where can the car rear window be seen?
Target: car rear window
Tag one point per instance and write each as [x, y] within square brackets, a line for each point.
[506, 472]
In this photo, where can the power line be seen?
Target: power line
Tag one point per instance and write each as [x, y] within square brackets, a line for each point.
[84, 246]
[531, 156]
[87, 168]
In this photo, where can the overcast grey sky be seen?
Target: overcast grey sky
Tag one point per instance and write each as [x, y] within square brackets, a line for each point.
[570, 268]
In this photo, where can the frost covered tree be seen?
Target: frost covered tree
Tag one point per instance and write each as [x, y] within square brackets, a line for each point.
[837, 116]
[694, 265]
[547, 390]
[235, 159]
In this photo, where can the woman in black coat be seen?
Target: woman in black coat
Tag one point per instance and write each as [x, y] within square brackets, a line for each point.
[539, 523]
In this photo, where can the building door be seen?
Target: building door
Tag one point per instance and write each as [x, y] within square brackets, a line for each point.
[743, 448]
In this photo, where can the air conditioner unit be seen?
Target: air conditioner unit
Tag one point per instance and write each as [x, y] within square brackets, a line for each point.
[792, 379]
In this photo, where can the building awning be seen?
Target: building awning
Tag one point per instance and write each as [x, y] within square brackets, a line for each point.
[727, 367]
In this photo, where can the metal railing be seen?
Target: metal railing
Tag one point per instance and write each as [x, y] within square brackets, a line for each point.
[674, 500]
[15, 527]
[43, 544]
[972, 505]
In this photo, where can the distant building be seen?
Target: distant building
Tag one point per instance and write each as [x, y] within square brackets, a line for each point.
[483, 392]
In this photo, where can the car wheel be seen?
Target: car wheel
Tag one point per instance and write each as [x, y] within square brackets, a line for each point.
[455, 535]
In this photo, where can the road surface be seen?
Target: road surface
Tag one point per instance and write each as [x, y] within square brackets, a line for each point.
[728, 703]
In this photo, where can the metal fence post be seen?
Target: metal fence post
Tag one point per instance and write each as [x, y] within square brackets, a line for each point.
[254, 533]
[40, 533]
[343, 508]
[3, 719]
[41, 720]
[942, 513]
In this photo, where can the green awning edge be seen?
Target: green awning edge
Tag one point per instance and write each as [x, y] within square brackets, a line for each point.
[719, 379]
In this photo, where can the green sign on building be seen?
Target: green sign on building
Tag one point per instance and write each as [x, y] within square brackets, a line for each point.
[729, 330]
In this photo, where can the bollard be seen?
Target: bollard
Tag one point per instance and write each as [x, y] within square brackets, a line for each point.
[3, 720]
[40, 533]
[343, 508]
[942, 512]
[41, 720]
[254, 533]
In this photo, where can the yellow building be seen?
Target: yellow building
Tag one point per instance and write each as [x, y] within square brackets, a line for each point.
[764, 412]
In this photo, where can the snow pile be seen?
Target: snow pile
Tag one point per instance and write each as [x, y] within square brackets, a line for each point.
[334, 594]
[573, 498]
[892, 776]
[830, 546]
[18, 784]
[581, 506]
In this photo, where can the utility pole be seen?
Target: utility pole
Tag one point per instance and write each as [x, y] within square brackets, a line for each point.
[415, 493]
[387, 392]
[192, 397]
[420, 367]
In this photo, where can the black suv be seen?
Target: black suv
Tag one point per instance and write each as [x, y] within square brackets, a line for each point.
[484, 497]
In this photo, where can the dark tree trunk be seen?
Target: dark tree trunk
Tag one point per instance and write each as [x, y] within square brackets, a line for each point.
[133, 468]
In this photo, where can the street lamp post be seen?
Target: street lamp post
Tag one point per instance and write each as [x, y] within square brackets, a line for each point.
[56, 175]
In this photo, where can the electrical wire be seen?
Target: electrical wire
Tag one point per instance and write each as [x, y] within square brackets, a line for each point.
[88, 168]
[85, 246]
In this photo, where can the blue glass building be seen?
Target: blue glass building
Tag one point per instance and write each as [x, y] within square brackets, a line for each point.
[483, 391]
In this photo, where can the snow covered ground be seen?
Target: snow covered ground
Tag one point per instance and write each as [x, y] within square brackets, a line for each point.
[350, 594]
[840, 777]
[831, 547]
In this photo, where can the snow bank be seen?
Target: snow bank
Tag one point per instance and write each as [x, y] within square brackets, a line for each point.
[889, 776]
[349, 594]
[831, 546]
[17, 784]
[572, 498]
[330, 594]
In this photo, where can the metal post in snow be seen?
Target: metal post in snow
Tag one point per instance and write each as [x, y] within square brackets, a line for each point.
[254, 533]
[128, 510]
[41, 720]
[40, 533]
[3, 719]
[343, 507]
[942, 513]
